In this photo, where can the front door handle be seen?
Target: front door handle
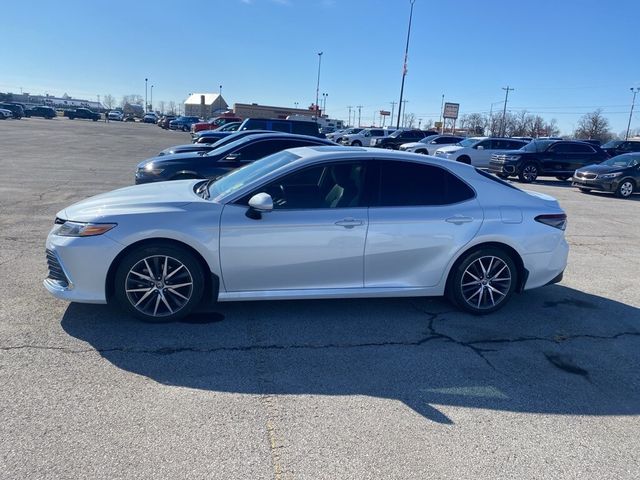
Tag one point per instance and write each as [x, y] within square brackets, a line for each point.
[459, 219]
[349, 222]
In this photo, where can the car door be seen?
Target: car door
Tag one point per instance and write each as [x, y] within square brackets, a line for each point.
[481, 153]
[312, 239]
[420, 216]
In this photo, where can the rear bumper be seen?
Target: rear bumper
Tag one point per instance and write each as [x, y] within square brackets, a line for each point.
[547, 267]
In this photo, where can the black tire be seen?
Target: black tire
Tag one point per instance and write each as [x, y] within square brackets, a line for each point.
[185, 128]
[528, 172]
[625, 189]
[356, 143]
[584, 190]
[563, 178]
[184, 272]
[422, 151]
[95, 119]
[464, 159]
[462, 290]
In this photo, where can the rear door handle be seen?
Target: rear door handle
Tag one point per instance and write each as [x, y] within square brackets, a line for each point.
[459, 219]
[349, 222]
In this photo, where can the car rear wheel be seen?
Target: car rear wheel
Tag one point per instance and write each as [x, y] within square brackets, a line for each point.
[422, 151]
[464, 159]
[625, 189]
[528, 173]
[483, 281]
[563, 178]
[356, 143]
[159, 283]
[584, 190]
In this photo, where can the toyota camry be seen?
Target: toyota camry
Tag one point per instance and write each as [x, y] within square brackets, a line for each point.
[310, 222]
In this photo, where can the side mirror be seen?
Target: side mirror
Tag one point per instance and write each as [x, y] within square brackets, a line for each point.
[479, 147]
[258, 204]
[232, 157]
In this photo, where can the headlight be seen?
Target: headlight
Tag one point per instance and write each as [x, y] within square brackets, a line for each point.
[152, 169]
[511, 158]
[81, 229]
[610, 175]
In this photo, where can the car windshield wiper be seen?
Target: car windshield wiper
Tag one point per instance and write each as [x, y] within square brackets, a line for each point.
[205, 187]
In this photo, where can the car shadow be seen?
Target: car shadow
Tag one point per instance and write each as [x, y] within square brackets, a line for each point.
[553, 350]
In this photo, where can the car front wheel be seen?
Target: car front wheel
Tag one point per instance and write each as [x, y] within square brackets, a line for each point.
[159, 283]
[483, 281]
[528, 173]
[625, 189]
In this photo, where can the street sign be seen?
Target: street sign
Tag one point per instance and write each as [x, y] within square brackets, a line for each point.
[451, 110]
[385, 113]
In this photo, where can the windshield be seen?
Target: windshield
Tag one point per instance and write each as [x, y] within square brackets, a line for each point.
[236, 179]
[396, 134]
[429, 138]
[221, 149]
[613, 144]
[623, 161]
[469, 142]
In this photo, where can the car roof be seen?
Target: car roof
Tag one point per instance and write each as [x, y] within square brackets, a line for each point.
[272, 134]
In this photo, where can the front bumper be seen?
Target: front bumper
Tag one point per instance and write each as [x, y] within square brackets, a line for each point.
[502, 168]
[607, 185]
[83, 266]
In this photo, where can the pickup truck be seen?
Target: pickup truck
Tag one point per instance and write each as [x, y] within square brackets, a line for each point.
[82, 113]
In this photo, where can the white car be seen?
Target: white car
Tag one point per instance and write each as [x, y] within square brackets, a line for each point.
[364, 137]
[4, 114]
[306, 223]
[477, 151]
[116, 115]
[429, 145]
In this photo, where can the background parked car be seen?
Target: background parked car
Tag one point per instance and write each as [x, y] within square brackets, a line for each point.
[221, 160]
[477, 151]
[164, 121]
[429, 145]
[546, 158]
[41, 111]
[116, 115]
[618, 147]
[277, 125]
[211, 144]
[337, 136]
[5, 114]
[620, 174]
[214, 123]
[363, 137]
[150, 117]
[16, 110]
[397, 138]
[81, 113]
[183, 123]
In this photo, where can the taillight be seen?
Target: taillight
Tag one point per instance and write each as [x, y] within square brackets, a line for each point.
[555, 220]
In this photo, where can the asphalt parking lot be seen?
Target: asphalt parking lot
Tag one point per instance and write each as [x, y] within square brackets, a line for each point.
[548, 387]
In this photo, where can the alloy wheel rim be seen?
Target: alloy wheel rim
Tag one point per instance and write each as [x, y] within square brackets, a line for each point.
[626, 188]
[159, 285]
[530, 172]
[486, 282]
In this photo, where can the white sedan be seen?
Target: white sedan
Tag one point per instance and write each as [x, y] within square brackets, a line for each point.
[477, 151]
[315, 222]
[429, 145]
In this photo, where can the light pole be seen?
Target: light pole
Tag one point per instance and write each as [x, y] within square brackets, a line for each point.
[318, 83]
[406, 53]
[151, 105]
[295, 104]
[324, 103]
[441, 114]
[633, 102]
[504, 110]
[219, 98]
[145, 94]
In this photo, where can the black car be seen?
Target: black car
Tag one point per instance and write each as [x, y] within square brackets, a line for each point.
[546, 158]
[287, 126]
[618, 147]
[183, 123]
[16, 110]
[620, 175]
[399, 137]
[209, 136]
[44, 112]
[217, 162]
[211, 144]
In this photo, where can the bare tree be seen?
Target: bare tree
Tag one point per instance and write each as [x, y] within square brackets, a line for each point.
[172, 107]
[161, 105]
[109, 101]
[409, 120]
[593, 126]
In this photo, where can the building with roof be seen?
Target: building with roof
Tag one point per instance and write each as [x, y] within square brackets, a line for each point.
[205, 105]
[253, 110]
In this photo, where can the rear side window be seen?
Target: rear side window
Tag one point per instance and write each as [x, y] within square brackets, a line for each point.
[306, 128]
[255, 125]
[281, 127]
[403, 184]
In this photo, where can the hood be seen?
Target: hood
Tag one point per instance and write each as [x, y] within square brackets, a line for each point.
[602, 168]
[404, 146]
[175, 157]
[449, 149]
[186, 148]
[148, 198]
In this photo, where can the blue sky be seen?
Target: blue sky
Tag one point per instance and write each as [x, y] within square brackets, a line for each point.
[563, 58]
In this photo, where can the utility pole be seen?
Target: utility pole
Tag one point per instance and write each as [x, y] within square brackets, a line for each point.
[349, 107]
[318, 83]
[404, 109]
[504, 110]
[441, 114]
[145, 93]
[633, 102]
[393, 107]
[406, 54]
[359, 112]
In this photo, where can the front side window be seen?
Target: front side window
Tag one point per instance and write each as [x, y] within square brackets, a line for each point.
[405, 184]
[335, 185]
